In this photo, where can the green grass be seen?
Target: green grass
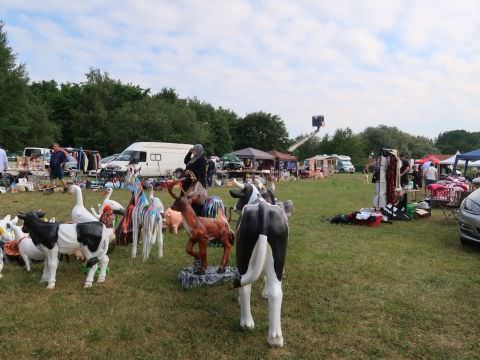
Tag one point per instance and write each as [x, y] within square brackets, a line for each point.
[407, 290]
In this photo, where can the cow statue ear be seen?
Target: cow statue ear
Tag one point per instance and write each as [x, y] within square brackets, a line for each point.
[22, 216]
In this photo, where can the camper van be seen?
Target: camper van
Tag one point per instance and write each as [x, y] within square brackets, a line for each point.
[154, 158]
[344, 164]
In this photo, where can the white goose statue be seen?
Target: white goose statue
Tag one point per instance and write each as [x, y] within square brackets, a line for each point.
[115, 205]
[79, 213]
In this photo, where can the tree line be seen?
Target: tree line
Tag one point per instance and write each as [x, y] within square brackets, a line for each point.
[105, 114]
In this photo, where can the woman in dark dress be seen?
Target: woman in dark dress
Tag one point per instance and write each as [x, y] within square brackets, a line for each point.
[196, 162]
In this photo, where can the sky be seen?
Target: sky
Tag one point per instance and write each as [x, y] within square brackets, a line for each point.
[359, 63]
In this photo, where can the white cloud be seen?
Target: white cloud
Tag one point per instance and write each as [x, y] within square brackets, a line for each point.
[412, 64]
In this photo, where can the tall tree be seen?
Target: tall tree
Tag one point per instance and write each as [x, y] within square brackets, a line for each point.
[261, 131]
[23, 117]
[100, 95]
[451, 141]
[375, 138]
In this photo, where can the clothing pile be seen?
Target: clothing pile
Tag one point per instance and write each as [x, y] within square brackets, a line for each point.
[448, 190]
[397, 211]
[363, 217]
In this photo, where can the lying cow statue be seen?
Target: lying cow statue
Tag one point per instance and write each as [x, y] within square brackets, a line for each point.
[55, 238]
[261, 243]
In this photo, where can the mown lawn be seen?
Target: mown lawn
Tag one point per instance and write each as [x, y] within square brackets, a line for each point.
[407, 290]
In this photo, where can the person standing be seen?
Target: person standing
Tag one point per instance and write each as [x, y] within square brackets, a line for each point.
[404, 171]
[210, 171]
[430, 175]
[196, 163]
[57, 161]
[365, 172]
[3, 161]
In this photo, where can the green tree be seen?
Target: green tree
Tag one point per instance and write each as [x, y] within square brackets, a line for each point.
[375, 138]
[261, 131]
[100, 96]
[23, 118]
[451, 141]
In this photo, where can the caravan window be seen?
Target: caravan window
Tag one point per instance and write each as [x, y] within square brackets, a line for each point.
[156, 157]
[133, 156]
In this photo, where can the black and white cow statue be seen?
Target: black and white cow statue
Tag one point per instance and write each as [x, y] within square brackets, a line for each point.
[55, 238]
[261, 244]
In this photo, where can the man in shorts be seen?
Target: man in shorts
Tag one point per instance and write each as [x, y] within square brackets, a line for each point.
[57, 160]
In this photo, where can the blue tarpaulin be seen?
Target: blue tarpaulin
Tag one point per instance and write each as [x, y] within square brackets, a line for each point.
[468, 156]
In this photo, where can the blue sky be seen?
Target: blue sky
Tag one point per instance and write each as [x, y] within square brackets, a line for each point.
[410, 64]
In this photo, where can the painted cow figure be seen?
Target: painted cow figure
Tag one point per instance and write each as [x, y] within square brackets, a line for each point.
[261, 244]
[55, 238]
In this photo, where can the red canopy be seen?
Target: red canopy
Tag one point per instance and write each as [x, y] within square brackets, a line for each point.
[426, 158]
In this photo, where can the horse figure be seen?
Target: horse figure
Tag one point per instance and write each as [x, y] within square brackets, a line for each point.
[146, 219]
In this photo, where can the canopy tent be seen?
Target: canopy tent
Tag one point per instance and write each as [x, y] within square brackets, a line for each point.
[450, 160]
[254, 154]
[435, 158]
[279, 156]
[283, 161]
[468, 156]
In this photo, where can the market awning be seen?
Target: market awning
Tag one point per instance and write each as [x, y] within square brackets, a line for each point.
[468, 156]
[281, 156]
[251, 153]
[432, 158]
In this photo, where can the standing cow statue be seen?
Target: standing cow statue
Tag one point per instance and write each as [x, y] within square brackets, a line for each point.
[55, 238]
[261, 244]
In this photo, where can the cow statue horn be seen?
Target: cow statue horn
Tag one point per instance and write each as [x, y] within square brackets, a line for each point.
[237, 184]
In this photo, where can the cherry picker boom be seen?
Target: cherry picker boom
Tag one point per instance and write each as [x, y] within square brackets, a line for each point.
[318, 121]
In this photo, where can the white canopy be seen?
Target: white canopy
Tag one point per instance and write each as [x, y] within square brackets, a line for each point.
[451, 161]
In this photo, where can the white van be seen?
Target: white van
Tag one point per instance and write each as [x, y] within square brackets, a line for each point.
[154, 158]
[344, 164]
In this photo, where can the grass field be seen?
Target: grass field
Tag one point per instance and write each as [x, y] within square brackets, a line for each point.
[407, 290]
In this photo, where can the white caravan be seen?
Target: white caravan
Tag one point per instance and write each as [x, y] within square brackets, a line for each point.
[154, 158]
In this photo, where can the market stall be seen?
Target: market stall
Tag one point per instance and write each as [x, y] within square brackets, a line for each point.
[255, 163]
[319, 166]
[285, 164]
[469, 158]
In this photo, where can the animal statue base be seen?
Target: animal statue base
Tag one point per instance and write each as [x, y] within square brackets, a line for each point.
[190, 278]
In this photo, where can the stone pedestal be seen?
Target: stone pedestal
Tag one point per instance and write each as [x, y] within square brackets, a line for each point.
[189, 278]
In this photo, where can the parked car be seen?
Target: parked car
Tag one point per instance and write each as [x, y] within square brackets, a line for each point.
[37, 152]
[229, 162]
[469, 219]
[104, 162]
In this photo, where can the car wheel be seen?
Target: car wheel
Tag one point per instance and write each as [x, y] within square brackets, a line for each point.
[342, 171]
